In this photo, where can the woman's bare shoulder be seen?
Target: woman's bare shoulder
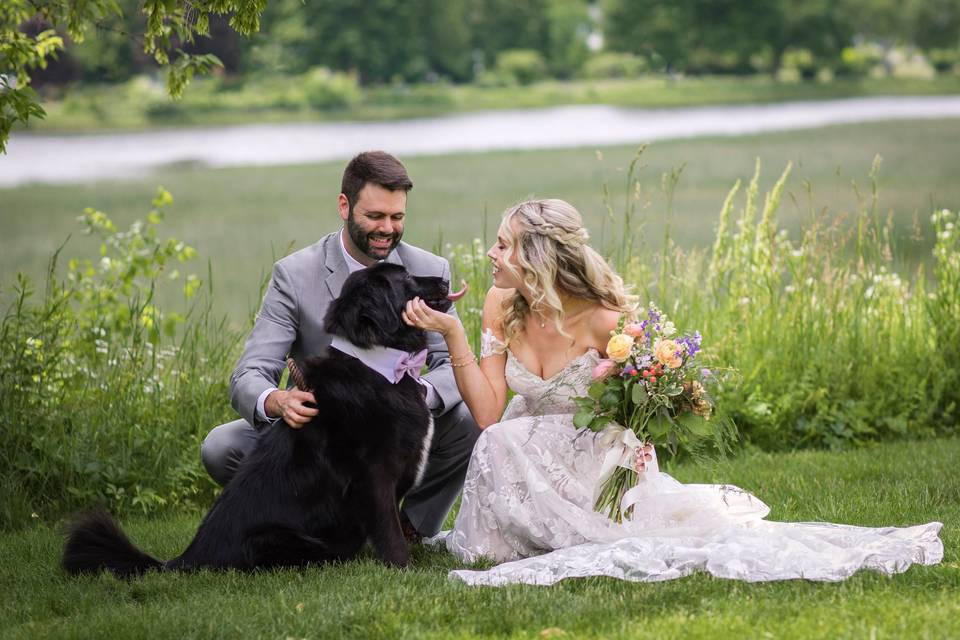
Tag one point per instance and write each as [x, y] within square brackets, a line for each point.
[602, 322]
[494, 300]
[493, 307]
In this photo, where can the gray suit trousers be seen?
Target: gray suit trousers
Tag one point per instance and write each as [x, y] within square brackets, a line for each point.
[455, 433]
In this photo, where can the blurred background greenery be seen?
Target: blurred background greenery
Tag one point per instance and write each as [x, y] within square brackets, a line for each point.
[382, 58]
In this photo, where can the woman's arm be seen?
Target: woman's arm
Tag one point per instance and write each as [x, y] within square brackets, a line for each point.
[482, 385]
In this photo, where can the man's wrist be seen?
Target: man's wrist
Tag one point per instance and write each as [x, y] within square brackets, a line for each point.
[268, 408]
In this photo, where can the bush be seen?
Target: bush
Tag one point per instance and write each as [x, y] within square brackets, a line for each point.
[614, 65]
[325, 89]
[104, 397]
[802, 60]
[703, 60]
[525, 66]
[860, 60]
[910, 63]
[944, 60]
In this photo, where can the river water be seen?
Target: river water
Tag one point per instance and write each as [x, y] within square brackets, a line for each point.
[89, 157]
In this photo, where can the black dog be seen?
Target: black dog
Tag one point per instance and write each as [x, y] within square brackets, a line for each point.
[315, 494]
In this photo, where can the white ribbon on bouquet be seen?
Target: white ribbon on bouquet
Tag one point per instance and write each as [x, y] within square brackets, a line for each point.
[623, 448]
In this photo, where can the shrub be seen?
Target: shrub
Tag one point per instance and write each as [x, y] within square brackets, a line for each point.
[104, 397]
[802, 60]
[858, 61]
[611, 64]
[325, 89]
[523, 65]
[910, 63]
[944, 60]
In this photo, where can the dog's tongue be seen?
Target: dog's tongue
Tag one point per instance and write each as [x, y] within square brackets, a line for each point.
[456, 295]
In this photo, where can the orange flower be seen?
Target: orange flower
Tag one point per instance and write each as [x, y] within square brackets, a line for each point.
[665, 351]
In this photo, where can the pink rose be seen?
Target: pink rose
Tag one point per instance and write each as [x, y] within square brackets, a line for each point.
[634, 329]
[603, 369]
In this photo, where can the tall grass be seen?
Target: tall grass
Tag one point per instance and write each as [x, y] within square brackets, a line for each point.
[103, 396]
[827, 344]
[106, 397]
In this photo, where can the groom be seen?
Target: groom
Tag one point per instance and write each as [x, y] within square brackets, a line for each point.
[372, 205]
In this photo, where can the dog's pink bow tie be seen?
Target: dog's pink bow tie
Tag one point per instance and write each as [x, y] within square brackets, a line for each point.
[409, 364]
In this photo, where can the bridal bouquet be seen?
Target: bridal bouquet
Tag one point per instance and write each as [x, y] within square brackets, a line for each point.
[650, 389]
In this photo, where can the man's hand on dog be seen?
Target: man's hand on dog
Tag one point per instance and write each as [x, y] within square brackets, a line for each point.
[296, 407]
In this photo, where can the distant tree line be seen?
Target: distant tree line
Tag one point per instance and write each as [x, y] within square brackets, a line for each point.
[461, 40]
[753, 35]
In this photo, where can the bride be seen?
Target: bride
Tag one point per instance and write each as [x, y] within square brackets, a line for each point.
[533, 478]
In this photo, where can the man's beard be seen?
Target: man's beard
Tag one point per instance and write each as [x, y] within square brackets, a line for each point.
[361, 240]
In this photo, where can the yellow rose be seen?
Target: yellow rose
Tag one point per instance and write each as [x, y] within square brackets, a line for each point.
[618, 349]
[665, 351]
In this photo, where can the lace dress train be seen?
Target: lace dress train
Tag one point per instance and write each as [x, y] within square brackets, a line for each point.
[528, 504]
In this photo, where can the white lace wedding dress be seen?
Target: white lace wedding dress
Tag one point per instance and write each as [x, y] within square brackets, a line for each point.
[533, 478]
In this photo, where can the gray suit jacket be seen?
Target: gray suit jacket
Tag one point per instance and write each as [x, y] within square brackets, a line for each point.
[290, 321]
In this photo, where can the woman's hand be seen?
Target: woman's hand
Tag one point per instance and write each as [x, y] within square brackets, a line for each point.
[419, 315]
[644, 455]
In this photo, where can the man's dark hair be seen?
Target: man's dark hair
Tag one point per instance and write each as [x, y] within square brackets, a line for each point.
[377, 167]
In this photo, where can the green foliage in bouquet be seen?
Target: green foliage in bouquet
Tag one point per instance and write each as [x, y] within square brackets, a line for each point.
[650, 390]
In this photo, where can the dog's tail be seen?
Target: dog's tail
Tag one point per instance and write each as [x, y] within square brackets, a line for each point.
[95, 542]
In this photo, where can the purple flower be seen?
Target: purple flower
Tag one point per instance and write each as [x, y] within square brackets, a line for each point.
[692, 343]
[628, 371]
[706, 373]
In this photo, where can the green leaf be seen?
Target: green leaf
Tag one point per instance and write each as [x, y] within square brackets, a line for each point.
[658, 427]
[639, 394]
[585, 403]
[599, 423]
[672, 389]
[582, 418]
[596, 390]
[610, 399]
[695, 424]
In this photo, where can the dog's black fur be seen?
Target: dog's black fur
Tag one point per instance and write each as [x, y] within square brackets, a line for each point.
[314, 494]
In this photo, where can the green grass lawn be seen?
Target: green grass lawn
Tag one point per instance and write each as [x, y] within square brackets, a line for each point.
[891, 484]
[240, 218]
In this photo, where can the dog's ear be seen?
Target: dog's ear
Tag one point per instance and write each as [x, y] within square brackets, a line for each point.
[364, 315]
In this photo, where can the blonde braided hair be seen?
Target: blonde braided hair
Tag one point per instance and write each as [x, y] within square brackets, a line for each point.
[549, 243]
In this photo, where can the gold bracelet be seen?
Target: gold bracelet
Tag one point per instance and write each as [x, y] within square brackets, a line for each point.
[464, 360]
